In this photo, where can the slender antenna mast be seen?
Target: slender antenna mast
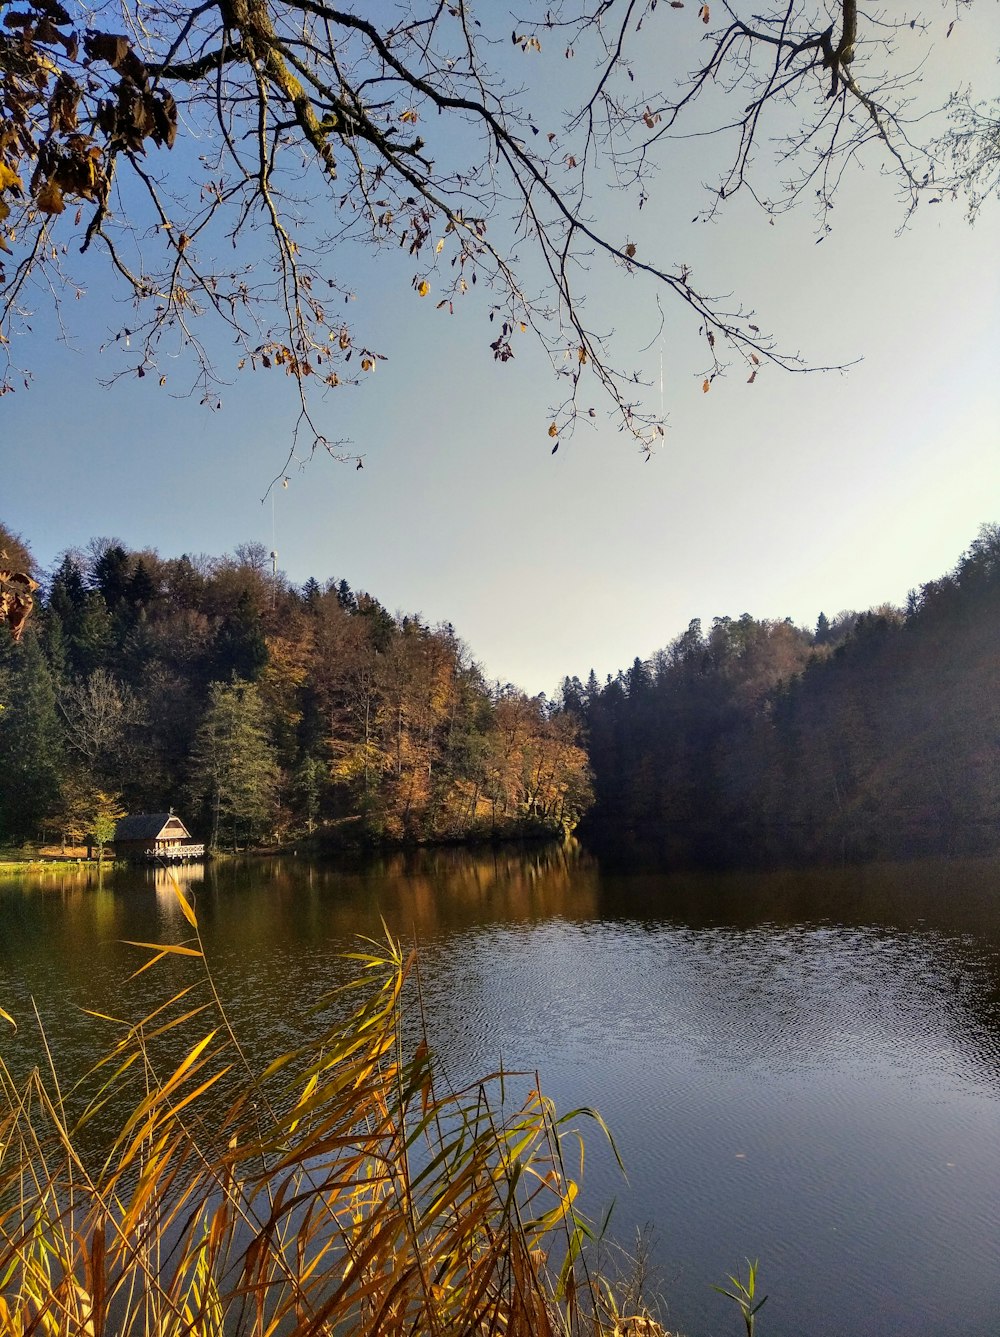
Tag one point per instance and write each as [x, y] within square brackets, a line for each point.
[274, 555]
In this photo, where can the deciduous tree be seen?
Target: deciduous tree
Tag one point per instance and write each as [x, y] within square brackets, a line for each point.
[99, 714]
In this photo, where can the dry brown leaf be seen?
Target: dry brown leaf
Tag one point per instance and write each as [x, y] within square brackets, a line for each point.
[50, 199]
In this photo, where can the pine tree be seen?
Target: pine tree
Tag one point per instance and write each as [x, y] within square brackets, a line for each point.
[30, 738]
[233, 763]
[240, 647]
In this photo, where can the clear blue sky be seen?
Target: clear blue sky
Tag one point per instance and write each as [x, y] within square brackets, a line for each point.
[794, 495]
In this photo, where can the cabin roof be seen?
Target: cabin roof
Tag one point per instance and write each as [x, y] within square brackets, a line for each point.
[146, 825]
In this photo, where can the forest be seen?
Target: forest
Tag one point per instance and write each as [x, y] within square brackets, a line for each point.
[874, 734]
[262, 712]
[267, 713]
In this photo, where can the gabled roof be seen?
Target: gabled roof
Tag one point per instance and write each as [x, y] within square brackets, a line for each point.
[146, 825]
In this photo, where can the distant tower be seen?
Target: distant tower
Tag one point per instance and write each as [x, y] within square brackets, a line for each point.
[274, 575]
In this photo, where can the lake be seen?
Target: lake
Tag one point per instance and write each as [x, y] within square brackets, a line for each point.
[800, 1066]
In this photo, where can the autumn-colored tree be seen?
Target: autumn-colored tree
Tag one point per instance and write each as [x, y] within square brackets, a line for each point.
[17, 587]
[72, 815]
[107, 813]
[14, 552]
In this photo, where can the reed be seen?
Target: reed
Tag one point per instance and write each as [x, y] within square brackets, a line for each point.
[340, 1190]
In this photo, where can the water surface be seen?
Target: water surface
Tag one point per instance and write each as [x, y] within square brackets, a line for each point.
[803, 1067]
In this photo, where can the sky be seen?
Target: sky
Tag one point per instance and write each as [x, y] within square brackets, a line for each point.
[791, 496]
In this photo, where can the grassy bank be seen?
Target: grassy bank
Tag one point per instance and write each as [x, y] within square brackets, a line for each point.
[36, 865]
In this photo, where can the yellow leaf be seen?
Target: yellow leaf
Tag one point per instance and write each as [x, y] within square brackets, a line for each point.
[161, 950]
[704, 14]
[409, 117]
[8, 178]
[706, 385]
[186, 907]
[50, 199]
[553, 429]
[439, 247]
[7, 1017]
[367, 364]
[423, 288]
[163, 947]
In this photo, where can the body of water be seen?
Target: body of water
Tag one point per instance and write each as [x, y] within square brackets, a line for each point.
[802, 1067]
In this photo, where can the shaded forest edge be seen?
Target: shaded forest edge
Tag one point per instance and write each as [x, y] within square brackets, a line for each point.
[270, 714]
[876, 735]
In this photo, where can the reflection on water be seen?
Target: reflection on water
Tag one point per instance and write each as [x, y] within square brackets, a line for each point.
[804, 1066]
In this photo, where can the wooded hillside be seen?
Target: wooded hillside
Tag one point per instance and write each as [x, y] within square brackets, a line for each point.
[877, 733]
[266, 712]
[263, 711]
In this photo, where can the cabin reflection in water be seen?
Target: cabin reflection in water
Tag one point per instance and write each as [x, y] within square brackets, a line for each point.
[166, 881]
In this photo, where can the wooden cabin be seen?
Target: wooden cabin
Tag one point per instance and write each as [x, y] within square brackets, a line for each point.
[158, 836]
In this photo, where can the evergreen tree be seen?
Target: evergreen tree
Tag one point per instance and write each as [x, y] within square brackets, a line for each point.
[91, 637]
[53, 639]
[346, 598]
[240, 649]
[233, 767]
[67, 593]
[30, 738]
[112, 575]
[141, 586]
[308, 789]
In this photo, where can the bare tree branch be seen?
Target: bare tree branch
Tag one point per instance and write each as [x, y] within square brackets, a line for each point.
[298, 125]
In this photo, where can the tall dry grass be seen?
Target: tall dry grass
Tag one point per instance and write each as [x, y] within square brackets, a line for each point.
[340, 1190]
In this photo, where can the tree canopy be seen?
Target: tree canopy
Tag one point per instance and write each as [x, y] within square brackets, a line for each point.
[758, 740]
[225, 156]
[267, 710]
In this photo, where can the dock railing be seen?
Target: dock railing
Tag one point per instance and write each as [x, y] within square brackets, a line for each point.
[176, 854]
